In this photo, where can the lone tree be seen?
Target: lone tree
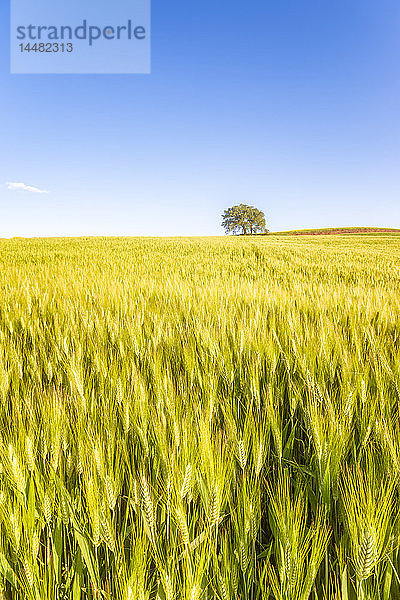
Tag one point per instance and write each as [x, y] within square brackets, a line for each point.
[243, 219]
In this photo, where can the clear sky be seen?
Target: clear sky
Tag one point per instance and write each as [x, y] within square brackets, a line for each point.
[290, 105]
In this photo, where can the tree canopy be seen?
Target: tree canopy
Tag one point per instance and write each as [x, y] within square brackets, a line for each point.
[243, 219]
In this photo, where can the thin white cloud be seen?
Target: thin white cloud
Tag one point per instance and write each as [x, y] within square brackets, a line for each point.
[22, 187]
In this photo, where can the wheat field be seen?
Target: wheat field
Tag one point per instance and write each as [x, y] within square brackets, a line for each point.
[210, 418]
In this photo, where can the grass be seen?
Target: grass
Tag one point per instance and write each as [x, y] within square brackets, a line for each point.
[341, 231]
[194, 419]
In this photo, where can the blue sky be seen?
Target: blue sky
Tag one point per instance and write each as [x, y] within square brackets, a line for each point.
[290, 105]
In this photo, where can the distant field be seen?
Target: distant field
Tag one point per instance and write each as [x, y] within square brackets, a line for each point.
[200, 418]
[338, 231]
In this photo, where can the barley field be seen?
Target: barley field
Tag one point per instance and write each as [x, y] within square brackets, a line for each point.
[200, 418]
